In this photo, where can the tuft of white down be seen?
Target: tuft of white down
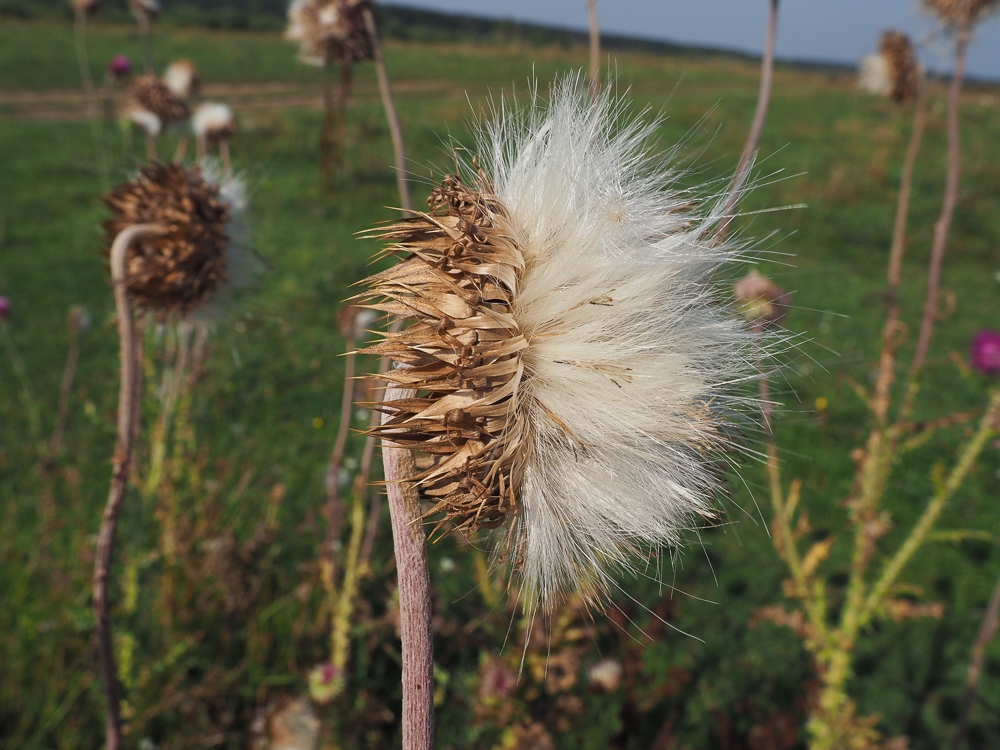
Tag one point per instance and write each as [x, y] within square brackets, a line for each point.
[180, 77]
[875, 75]
[211, 118]
[635, 356]
[145, 119]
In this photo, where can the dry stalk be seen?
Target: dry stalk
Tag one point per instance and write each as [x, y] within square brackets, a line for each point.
[119, 476]
[760, 116]
[75, 323]
[987, 630]
[595, 48]
[410, 543]
[395, 129]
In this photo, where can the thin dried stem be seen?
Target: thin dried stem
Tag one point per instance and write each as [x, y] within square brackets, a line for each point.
[410, 542]
[595, 48]
[146, 32]
[987, 630]
[72, 358]
[395, 129]
[759, 118]
[943, 224]
[90, 93]
[119, 476]
[891, 332]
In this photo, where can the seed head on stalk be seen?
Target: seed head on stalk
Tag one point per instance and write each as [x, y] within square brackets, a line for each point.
[576, 369]
[960, 12]
[329, 30]
[152, 106]
[893, 71]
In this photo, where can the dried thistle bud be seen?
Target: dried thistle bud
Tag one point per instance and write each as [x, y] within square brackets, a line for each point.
[572, 367]
[85, 6]
[960, 12]
[179, 270]
[183, 79]
[329, 31]
[894, 71]
[762, 301]
[213, 121]
[151, 105]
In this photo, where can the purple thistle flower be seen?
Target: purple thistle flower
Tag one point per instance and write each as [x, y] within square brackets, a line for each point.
[985, 352]
[120, 66]
[4, 308]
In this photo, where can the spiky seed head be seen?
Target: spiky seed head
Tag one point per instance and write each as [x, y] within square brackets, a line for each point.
[904, 69]
[213, 121]
[183, 79]
[178, 271]
[329, 31]
[151, 105]
[761, 301]
[960, 12]
[573, 361]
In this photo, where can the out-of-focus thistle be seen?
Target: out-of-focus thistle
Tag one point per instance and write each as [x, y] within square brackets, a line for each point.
[960, 12]
[984, 352]
[85, 6]
[214, 123]
[168, 246]
[573, 369]
[152, 106]
[183, 78]
[176, 271]
[762, 302]
[329, 31]
[119, 66]
[893, 71]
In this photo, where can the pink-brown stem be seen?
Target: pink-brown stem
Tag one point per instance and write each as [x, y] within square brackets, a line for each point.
[890, 335]
[395, 129]
[119, 475]
[595, 48]
[987, 630]
[759, 118]
[410, 542]
[943, 224]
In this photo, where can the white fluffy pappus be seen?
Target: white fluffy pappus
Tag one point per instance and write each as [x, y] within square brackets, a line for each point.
[182, 78]
[212, 119]
[875, 75]
[634, 363]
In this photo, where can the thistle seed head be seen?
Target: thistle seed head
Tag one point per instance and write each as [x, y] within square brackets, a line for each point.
[213, 121]
[183, 79]
[574, 365]
[762, 302]
[329, 31]
[179, 270]
[960, 12]
[151, 105]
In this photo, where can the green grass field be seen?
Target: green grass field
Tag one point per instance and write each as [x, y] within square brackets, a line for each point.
[231, 619]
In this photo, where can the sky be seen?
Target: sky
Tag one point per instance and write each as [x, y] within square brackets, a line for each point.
[839, 31]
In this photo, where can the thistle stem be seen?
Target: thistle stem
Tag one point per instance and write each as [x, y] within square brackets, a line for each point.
[119, 476]
[395, 129]
[760, 116]
[987, 630]
[943, 223]
[410, 542]
[595, 48]
[72, 358]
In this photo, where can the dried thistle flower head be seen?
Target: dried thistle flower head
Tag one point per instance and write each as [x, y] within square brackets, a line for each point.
[183, 79]
[894, 71]
[329, 31]
[151, 105]
[960, 12]
[573, 364]
[213, 121]
[177, 271]
[761, 300]
[85, 6]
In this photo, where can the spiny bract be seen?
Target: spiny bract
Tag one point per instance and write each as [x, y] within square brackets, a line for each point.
[574, 364]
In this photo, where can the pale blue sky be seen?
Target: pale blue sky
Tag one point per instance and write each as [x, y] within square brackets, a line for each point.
[827, 30]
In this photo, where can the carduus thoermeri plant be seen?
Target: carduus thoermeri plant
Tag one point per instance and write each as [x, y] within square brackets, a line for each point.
[576, 372]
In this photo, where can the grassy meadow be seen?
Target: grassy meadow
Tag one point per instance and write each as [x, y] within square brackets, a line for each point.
[218, 608]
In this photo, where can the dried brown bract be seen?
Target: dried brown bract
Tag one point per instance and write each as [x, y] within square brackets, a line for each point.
[904, 70]
[960, 12]
[462, 353]
[149, 95]
[329, 31]
[176, 271]
[761, 300]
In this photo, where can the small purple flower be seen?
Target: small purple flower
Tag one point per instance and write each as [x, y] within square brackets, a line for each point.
[985, 352]
[120, 66]
[4, 308]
